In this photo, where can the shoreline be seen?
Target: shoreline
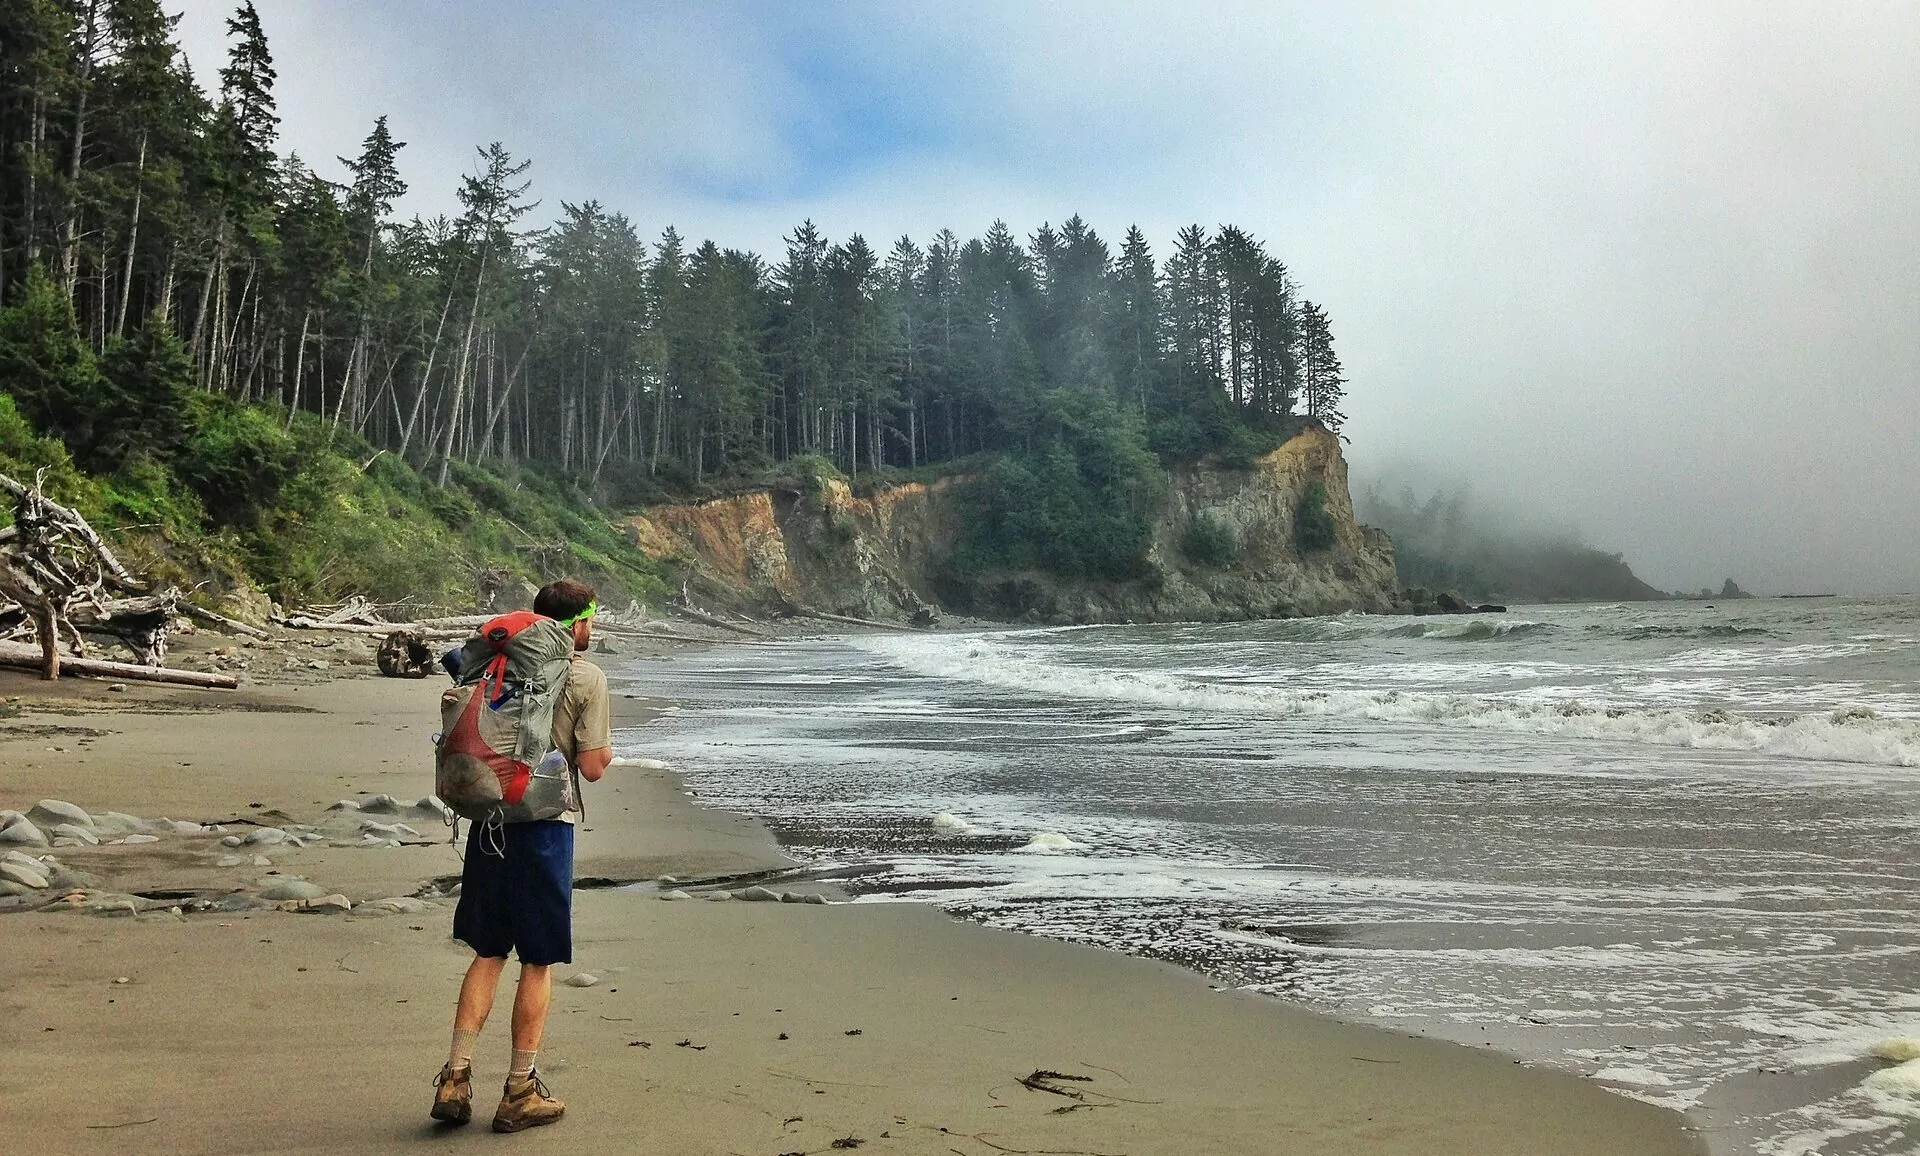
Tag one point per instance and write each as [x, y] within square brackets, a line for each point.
[899, 1019]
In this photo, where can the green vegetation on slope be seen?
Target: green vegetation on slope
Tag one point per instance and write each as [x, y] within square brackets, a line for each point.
[204, 488]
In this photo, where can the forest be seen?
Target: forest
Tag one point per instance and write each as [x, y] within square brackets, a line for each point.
[175, 286]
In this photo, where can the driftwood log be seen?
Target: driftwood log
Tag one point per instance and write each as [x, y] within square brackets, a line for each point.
[804, 613]
[16, 655]
[52, 565]
[721, 623]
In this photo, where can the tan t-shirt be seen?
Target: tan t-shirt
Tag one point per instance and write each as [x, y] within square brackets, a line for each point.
[583, 718]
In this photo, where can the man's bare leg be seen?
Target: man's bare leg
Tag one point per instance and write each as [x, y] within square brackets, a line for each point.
[525, 1102]
[530, 1001]
[476, 993]
[453, 1087]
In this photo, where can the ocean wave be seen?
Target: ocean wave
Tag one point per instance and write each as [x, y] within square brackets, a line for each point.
[1845, 736]
[1477, 630]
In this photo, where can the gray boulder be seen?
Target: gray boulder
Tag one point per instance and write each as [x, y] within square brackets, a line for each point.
[265, 836]
[759, 895]
[23, 875]
[53, 812]
[281, 889]
[22, 832]
[77, 833]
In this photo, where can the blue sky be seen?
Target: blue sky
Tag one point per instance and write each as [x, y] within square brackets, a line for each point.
[1644, 269]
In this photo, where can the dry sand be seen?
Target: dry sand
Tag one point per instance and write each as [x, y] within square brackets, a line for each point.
[753, 1028]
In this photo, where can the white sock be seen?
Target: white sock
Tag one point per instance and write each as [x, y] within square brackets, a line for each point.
[522, 1068]
[461, 1054]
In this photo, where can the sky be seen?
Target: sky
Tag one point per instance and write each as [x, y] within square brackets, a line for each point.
[1647, 271]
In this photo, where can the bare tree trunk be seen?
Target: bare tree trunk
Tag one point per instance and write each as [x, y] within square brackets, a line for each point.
[299, 365]
[460, 378]
[426, 376]
[133, 240]
[70, 231]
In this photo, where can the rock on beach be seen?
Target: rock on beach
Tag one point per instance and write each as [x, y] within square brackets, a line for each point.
[283, 889]
[54, 812]
[22, 832]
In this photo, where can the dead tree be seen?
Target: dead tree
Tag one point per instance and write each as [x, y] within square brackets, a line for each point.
[52, 566]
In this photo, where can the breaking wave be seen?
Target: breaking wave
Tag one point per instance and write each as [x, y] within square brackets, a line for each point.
[1846, 736]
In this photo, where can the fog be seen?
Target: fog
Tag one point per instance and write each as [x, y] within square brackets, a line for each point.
[1647, 270]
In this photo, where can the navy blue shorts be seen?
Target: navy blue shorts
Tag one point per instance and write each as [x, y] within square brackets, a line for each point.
[520, 902]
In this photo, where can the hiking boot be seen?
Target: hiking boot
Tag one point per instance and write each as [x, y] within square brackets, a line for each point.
[453, 1095]
[526, 1104]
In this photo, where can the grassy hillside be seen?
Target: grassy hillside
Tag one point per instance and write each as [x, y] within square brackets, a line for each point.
[308, 515]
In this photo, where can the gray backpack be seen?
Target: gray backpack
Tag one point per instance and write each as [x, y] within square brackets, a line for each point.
[495, 761]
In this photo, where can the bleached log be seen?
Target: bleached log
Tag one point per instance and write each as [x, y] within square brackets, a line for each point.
[723, 624]
[29, 658]
[855, 621]
[222, 621]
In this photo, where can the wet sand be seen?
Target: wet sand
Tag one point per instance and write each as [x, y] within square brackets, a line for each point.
[264, 1030]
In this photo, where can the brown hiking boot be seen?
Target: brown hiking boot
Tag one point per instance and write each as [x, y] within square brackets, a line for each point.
[526, 1104]
[453, 1095]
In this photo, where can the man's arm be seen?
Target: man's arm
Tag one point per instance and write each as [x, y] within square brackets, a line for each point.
[593, 764]
[593, 729]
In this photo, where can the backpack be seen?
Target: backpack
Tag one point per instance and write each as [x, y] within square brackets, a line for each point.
[496, 762]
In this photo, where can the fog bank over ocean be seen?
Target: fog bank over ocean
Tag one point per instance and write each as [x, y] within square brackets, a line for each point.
[1646, 270]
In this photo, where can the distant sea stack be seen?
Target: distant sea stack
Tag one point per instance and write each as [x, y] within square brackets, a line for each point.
[1274, 539]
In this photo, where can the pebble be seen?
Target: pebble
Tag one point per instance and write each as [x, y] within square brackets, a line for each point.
[718, 896]
[281, 889]
[675, 894]
[266, 836]
[53, 812]
[345, 805]
[77, 833]
[816, 900]
[23, 875]
[23, 832]
[123, 979]
[381, 805]
[262, 861]
[118, 822]
[231, 841]
[117, 687]
[22, 858]
[141, 839]
[229, 861]
[582, 979]
[759, 895]
[180, 827]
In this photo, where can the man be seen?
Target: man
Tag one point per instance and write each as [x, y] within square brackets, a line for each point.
[519, 897]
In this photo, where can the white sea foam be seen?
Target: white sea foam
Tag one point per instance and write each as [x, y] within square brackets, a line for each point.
[1047, 842]
[1830, 737]
[947, 821]
[1895, 1090]
[638, 763]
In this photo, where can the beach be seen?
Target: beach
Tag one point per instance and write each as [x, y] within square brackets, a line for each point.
[709, 1027]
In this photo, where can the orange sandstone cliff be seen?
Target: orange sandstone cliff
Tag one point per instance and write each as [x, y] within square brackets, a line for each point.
[889, 555]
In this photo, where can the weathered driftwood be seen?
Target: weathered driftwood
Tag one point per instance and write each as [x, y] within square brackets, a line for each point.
[804, 613]
[141, 622]
[16, 655]
[53, 564]
[723, 624]
[222, 621]
[302, 622]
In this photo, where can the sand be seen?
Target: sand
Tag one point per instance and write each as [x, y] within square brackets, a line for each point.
[735, 1027]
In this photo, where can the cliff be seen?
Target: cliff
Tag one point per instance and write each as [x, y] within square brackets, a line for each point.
[891, 553]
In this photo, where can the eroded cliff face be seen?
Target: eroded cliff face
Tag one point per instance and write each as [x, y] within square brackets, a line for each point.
[889, 554]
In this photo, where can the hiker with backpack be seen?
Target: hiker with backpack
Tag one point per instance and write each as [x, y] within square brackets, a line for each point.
[526, 720]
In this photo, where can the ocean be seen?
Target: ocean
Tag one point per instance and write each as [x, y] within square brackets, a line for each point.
[1673, 847]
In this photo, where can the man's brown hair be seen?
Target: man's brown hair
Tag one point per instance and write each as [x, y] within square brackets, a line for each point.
[563, 599]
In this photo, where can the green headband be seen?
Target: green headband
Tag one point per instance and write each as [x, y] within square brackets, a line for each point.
[589, 612]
